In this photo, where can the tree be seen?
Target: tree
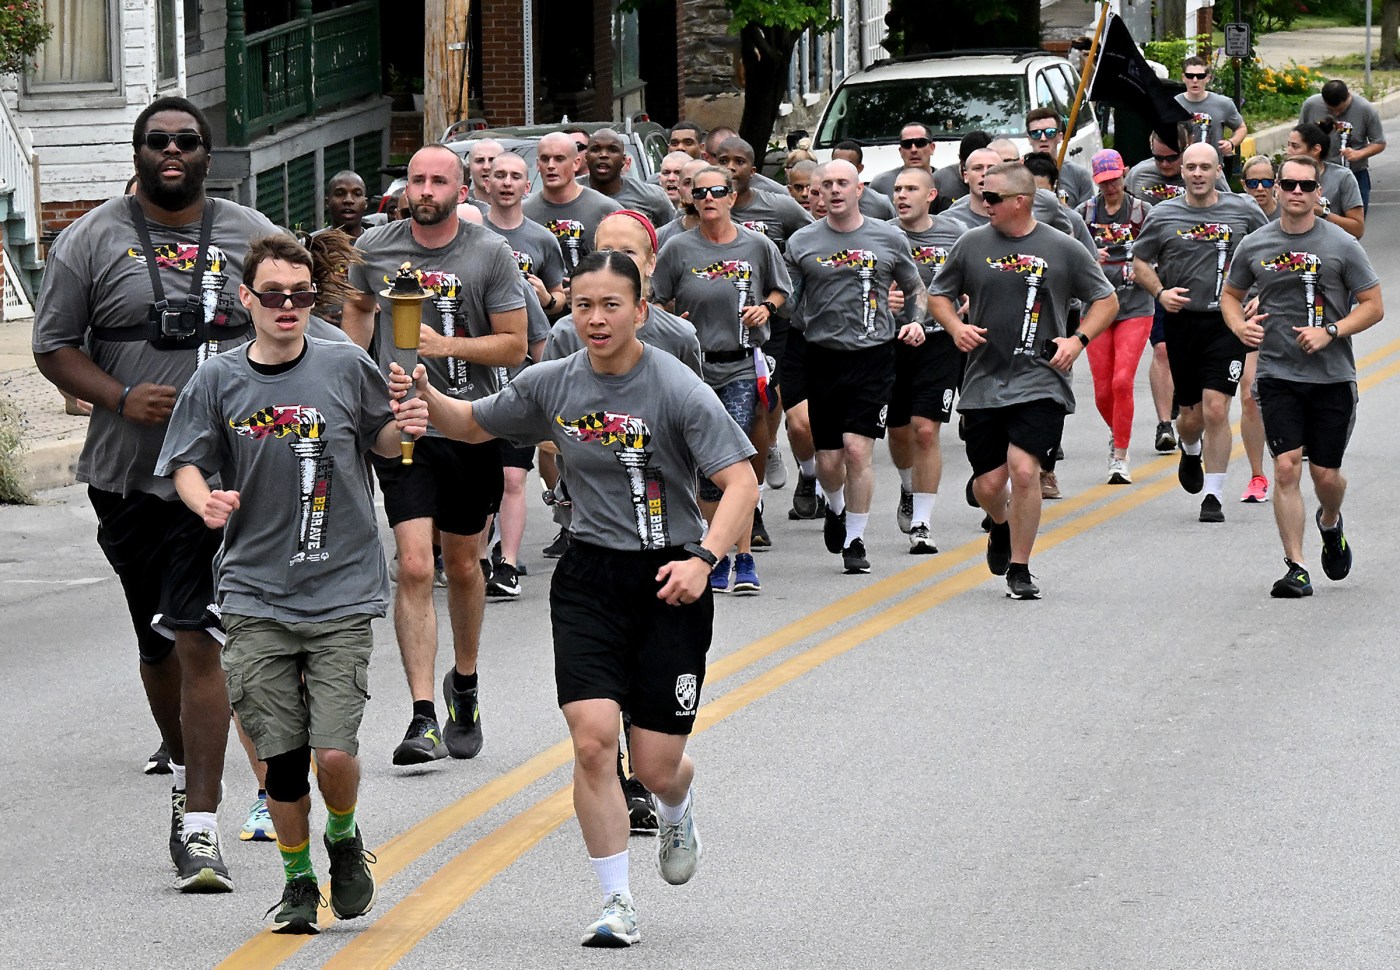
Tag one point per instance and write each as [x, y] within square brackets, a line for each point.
[768, 33]
[1390, 34]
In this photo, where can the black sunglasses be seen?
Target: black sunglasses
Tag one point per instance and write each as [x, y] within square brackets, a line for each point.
[1292, 185]
[996, 198]
[1258, 183]
[186, 141]
[713, 191]
[1194, 76]
[1167, 158]
[1048, 134]
[914, 143]
[274, 300]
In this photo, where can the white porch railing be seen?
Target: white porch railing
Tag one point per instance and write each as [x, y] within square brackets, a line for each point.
[17, 170]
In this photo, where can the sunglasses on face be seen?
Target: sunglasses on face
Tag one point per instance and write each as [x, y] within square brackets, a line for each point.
[1044, 134]
[996, 198]
[713, 191]
[274, 300]
[1166, 159]
[1194, 76]
[914, 143]
[582, 146]
[1258, 183]
[1294, 185]
[186, 141]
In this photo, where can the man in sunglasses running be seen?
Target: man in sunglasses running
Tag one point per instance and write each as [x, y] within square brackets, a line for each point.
[100, 293]
[915, 150]
[1046, 133]
[1211, 113]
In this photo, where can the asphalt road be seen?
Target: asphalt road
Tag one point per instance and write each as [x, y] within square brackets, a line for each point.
[1155, 766]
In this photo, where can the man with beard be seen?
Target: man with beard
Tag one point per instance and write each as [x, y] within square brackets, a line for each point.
[775, 215]
[142, 281]
[474, 326]
[606, 157]
[569, 210]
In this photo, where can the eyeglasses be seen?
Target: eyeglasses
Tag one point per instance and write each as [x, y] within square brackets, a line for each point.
[185, 141]
[1043, 134]
[1164, 159]
[1293, 185]
[713, 191]
[274, 300]
[997, 198]
[1194, 76]
[914, 143]
[1258, 183]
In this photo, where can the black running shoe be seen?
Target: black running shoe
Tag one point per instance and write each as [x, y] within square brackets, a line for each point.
[1020, 584]
[760, 538]
[1191, 473]
[853, 559]
[639, 807]
[200, 868]
[1295, 583]
[999, 548]
[421, 743]
[1211, 510]
[1166, 438]
[805, 498]
[987, 523]
[496, 557]
[353, 891]
[177, 825]
[296, 912]
[1336, 551]
[504, 583]
[556, 548]
[463, 732]
[834, 531]
[159, 762]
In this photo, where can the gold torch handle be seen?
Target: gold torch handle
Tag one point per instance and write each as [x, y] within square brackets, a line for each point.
[407, 318]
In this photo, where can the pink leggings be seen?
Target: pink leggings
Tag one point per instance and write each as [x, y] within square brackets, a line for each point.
[1113, 360]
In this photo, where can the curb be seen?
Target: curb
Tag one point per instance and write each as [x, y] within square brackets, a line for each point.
[51, 464]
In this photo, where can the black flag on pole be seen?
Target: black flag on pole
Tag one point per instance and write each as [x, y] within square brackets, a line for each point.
[1124, 79]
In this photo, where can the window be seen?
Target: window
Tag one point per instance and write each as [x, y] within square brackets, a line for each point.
[872, 113]
[627, 71]
[81, 52]
[167, 44]
[194, 42]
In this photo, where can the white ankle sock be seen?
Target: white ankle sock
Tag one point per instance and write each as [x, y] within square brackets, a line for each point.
[808, 467]
[179, 772]
[201, 822]
[1215, 484]
[855, 526]
[1192, 449]
[836, 501]
[672, 814]
[923, 507]
[612, 874]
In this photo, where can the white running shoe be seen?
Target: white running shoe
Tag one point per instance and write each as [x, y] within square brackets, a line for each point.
[678, 848]
[617, 927]
[1118, 472]
[775, 472]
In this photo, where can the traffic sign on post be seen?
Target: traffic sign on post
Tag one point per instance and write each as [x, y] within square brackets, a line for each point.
[1237, 40]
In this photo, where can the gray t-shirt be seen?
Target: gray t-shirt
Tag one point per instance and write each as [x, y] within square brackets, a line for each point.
[535, 250]
[1358, 126]
[632, 442]
[1303, 280]
[1075, 184]
[884, 182]
[303, 545]
[948, 181]
[844, 279]
[662, 330]
[1019, 289]
[1046, 208]
[1340, 192]
[572, 223]
[1210, 117]
[470, 278]
[650, 200]
[929, 250]
[873, 205]
[712, 283]
[1146, 182]
[762, 183]
[1117, 232]
[669, 231]
[777, 216]
[1191, 246]
[96, 276]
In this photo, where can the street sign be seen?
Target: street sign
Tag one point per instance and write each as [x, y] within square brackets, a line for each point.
[1237, 40]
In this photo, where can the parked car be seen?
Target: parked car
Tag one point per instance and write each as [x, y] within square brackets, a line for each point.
[954, 93]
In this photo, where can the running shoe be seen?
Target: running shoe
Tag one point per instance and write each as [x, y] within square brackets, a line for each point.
[421, 743]
[439, 572]
[805, 500]
[1166, 438]
[296, 912]
[556, 548]
[1049, 486]
[1211, 510]
[617, 927]
[394, 569]
[999, 548]
[640, 811]
[159, 762]
[986, 523]
[904, 513]
[505, 582]
[1336, 551]
[775, 471]
[1295, 583]
[745, 576]
[200, 868]
[463, 732]
[1257, 490]
[259, 826]
[678, 848]
[759, 538]
[1191, 473]
[177, 825]
[353, 891]
[853, 559]
[1118, 473]
[834, 531]
[920, 542]
[719, 576]
[1020, 584]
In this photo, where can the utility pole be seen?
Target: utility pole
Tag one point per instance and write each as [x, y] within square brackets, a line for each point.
[445, 69]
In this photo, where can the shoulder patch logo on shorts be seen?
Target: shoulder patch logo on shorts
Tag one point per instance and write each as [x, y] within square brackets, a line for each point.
[1236, 369]
[685, 692]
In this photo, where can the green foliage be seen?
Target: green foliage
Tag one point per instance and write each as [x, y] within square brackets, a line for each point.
[795, 15]
[1269, 92]
[12, 490]
[23, 31]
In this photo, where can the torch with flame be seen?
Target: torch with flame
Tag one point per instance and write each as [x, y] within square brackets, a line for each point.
[740, 273]
[569, 232]
[608, 428]
[865, 262]
[406, 297]
[306, 427]
[1220, 234]
[1034, 268]
[446, 293]
[1306, 265]
[1202, 122]
[211, 284]
[1344, 128]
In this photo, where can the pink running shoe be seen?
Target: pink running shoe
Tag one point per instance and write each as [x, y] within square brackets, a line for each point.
[1258, 490]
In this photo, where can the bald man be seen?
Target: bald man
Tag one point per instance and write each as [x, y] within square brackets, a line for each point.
[715, 138]
[777, 216]
[687, 218]
[569, 210]
[479, 161]
[669, 175]
[607, 158]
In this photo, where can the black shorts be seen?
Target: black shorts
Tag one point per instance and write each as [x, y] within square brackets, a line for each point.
[455, 484]
[1033, 426]
[164, 556]
[1158, 334]
[794, 368]
[1318, 417]
[1204, 355]
[513, 457]
[926, 378]
[614, 639]
[773, 349]
[849, 393]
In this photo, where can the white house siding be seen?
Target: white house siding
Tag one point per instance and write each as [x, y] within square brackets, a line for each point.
[204, 70]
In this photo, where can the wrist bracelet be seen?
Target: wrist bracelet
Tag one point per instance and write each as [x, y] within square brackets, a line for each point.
[121, 401]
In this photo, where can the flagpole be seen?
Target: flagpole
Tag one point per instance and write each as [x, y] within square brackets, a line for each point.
[1083, 82]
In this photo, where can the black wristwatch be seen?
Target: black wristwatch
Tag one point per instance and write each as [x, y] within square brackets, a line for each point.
[553, 301]
[700, 552]
[1083, 337]
[768, 305]
[1331, 329]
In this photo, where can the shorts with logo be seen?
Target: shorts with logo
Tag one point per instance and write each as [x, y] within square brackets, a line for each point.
[164, 556]
[613, 639]
[848, 392]
[455, 484]
[1033, 426]
[1204, 355]
[926, 378]
[294, 684]
[794, 368]
[1319, 417]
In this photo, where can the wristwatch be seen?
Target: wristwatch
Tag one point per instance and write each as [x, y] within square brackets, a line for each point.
[553, 301]
[768, 305]
[1331, 329]
[1083, 337]
[700, 552]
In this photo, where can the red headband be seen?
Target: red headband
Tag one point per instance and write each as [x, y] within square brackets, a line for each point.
[646, 223]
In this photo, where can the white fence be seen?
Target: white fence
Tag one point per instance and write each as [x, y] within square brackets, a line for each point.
[17, 170]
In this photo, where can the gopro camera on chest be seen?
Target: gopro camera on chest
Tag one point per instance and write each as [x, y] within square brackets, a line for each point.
[173, 324]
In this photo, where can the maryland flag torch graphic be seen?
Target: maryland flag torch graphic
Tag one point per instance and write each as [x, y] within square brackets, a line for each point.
[740, 273]
[1306, 265]
[305, 427]
[569, 232]
[865, 262]
[608, 428]
[1034, 269]
[1218, 233]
